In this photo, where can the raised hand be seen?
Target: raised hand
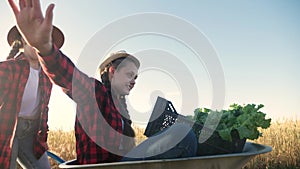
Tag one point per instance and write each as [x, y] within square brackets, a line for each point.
[34, 27]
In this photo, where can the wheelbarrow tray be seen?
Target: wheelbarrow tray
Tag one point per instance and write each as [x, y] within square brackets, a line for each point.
[223, 161]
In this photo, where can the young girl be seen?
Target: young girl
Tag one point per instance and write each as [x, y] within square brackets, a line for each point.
[24, 97]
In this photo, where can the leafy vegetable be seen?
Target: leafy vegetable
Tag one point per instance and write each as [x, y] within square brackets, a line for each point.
[244, 119]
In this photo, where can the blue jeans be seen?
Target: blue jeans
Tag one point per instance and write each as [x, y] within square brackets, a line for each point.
[177, 141]
[22, 150]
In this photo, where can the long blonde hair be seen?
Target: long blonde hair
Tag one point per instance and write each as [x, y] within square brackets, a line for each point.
[128, 142]
[15, 49]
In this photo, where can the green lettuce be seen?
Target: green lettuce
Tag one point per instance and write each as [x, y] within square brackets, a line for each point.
[245, 119]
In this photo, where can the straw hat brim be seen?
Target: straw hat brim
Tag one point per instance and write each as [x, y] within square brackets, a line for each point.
[116, 56]
[57, 36]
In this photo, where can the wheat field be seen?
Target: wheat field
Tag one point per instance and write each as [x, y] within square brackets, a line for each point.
[283, 136]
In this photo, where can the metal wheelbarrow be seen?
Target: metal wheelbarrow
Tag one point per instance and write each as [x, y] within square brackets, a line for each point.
[223, 161]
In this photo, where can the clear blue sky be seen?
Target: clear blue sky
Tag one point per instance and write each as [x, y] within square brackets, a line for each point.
[257, 43]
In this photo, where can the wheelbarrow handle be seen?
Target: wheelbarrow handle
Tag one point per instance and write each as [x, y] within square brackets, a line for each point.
[55, 157]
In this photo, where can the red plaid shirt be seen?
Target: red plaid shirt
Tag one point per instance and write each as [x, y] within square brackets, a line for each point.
[13, 78]
[98, 124]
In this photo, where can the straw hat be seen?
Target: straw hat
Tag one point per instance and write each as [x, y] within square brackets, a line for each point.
[117, 55]
[57, 36]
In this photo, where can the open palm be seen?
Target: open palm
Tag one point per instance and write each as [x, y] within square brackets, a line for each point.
[34, 27]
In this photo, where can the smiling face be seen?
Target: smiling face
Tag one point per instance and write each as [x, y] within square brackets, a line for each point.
[123, 78]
